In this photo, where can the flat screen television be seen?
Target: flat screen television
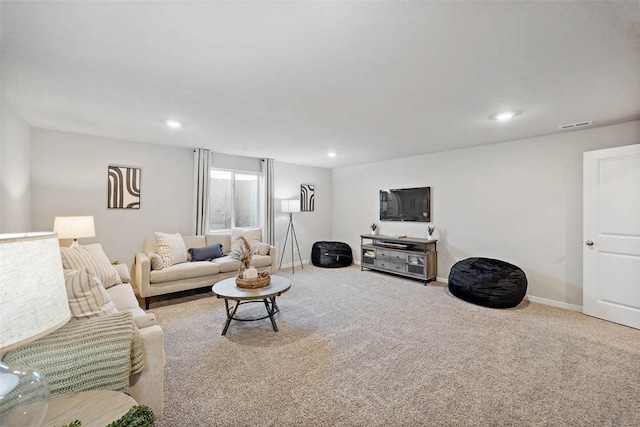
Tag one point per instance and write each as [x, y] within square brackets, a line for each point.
[406, 204]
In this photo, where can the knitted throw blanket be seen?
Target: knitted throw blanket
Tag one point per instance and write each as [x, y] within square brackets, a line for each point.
[89, 354]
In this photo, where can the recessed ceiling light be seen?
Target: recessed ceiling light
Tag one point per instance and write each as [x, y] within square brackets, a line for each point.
[505, 115]
[331, 154]
[173, 124]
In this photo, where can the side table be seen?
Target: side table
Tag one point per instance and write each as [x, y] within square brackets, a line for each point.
[96, 408]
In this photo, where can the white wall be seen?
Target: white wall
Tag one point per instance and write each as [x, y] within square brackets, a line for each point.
[15, 191]
[69, 173]
[69, 177]
[309, 226]
[519, 201]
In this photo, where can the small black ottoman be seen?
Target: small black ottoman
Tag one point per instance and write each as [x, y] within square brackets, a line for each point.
[331, 254]
[488, 282]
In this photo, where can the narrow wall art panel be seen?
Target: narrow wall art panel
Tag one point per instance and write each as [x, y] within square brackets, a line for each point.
[123, 188]
[307, 197]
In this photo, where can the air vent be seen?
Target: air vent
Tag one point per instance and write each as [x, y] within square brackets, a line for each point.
[575, 125]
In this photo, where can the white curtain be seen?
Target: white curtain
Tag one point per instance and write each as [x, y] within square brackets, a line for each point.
[201, 160]
[269, 228]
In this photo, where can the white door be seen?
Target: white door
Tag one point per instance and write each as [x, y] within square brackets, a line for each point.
[611, 251]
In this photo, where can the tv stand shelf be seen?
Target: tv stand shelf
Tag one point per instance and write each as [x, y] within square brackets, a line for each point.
[406, 256]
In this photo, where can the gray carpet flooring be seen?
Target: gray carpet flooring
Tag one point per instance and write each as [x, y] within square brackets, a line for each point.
[368, 349]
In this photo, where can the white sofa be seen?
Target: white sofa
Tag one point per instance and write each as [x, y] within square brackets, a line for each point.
[147, 388]
[151, 282]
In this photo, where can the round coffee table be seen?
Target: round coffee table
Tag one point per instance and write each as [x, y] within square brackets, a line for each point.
[228, 290]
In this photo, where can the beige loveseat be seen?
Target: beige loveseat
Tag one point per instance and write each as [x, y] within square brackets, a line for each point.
[151, 281]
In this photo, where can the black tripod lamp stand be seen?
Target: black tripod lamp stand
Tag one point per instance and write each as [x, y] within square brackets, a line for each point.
[291, 206]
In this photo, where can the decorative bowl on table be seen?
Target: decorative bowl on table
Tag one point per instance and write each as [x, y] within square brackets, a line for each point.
[261, 281]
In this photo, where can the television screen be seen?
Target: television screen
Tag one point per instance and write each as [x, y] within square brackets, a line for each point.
[406, 204]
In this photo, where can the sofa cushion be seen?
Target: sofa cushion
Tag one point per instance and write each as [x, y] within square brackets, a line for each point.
[87, 297]
[184, 271]
[223, 238]
[171, 248]
[206, 253]
[91, 257]
[123, 297]
[252, 235]
[260, 261]
[194, 241]
[260, 248]
[227, 264]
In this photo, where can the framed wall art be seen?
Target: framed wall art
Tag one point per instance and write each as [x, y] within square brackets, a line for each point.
[307, 197]
[123, 187]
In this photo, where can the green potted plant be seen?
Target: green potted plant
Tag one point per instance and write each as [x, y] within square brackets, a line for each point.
[374, 228]
[430, 229]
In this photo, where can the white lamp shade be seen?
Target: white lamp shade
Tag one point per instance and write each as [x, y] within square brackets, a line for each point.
[74, 227]
[33, 295]
[292, 205]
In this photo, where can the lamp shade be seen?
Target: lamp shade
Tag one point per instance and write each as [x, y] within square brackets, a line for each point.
[33, 294]
[74, 227]
[292, 205]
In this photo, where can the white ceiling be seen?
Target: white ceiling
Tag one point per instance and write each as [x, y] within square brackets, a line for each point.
[291, 80]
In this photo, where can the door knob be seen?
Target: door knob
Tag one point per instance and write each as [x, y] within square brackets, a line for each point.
[588, 243]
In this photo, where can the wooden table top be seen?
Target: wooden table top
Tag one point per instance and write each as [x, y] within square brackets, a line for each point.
[228, 289]
[96, 408]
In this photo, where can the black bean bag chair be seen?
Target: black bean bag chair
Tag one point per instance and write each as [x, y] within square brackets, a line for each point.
[331, 254]
[488, 282]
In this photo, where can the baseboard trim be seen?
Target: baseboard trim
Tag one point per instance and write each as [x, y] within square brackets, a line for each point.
[545, 301]
[297, 264]
[555, 303]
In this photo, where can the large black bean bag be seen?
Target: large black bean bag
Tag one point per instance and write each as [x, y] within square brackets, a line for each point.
[488, 282]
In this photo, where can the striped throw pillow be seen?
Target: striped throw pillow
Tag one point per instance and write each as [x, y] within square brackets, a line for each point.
[93, 258]
[87, 297]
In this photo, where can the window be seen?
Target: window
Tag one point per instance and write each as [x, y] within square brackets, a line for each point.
[234, 199]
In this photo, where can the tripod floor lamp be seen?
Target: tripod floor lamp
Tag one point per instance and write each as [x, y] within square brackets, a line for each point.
[291, 206]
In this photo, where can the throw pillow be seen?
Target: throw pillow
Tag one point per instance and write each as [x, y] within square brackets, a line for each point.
[91, 257]
[206, 253]
[156, 261]
[252, 235]
[236, 250]
[171, 248]
[86, 294]
[260, 248]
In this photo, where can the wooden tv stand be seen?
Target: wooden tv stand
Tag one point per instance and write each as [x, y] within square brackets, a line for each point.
[406, 256]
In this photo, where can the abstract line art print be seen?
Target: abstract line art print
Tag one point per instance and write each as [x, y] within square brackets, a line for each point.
[123, 188]
[307, 197]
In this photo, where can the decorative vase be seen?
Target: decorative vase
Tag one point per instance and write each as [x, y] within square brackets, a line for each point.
[374, 232]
